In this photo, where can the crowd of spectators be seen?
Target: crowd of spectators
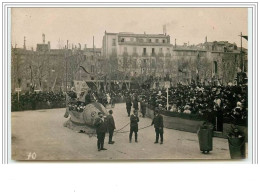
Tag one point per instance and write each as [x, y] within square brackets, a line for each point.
[228, 101]
[37, 100]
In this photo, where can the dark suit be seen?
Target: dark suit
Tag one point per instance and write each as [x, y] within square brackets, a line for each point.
[143, 108]
[133, 126]
[158, 125]
[101, 129]
[135, 105]
[128, 105]
[110, 126]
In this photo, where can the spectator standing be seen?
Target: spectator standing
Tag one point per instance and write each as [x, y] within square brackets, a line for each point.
[134, 119]
[101, 131]
[110, 126]
[158, 125]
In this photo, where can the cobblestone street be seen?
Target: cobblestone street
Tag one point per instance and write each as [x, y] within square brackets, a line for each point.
[40, 135]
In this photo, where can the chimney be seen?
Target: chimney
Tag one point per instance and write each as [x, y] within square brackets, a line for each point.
[67, 44]
[49, 45]
[43, 38]
[206, 39]
[164, 29]
[24, 42]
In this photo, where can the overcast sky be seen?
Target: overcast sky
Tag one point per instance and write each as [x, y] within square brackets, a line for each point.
[79, 25]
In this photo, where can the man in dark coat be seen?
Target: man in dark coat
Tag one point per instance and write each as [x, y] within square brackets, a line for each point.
[110, 126]
[143, 108]
[101, 131]
[158, 125]
[134, 119]
[135, 104]
[128, 105]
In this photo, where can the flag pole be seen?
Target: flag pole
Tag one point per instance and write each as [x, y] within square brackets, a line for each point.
[241, 55]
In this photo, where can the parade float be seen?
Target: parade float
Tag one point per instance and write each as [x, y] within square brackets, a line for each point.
[81, 115]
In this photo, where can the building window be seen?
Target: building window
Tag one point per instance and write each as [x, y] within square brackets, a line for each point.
[144, 51]
[215, 67]
[163, 41]
[160, 50]
[149, 40]
[141, 40]
[125, 49]
[113, 50]
[131, 39]
[114, 42]
[122, 39]
[153, 51]
[168, 49]
[157, 40]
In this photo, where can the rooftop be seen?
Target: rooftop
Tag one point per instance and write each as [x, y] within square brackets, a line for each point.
[130, 34]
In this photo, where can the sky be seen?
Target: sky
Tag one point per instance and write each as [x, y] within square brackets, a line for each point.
[79, 25]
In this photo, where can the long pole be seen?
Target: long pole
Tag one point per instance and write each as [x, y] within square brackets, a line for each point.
[66, 72]
[167, 98]
[241, 63]
[18, 96]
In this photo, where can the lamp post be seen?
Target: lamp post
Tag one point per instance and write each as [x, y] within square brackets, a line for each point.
[66, 72]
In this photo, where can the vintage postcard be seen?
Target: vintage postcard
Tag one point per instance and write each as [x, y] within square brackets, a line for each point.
[128, 83]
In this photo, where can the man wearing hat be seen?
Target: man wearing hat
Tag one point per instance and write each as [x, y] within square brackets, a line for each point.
[134, 119]
[158, 125]
[143, 107]
[110, 126]
[135, 104]
[128, 105]
[101, 131]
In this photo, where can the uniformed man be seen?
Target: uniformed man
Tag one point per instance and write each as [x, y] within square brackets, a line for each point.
[101, 131]
[134, 119]
[110, 126]
[158, 125]
[128, 105]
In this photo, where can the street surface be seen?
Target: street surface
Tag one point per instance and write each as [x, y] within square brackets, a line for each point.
[40, 135]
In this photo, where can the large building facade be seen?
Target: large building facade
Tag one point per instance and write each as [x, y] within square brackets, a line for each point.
[136, 55]
[126, 56]
[153, 55]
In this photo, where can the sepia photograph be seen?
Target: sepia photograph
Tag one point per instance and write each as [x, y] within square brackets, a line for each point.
[129, 83]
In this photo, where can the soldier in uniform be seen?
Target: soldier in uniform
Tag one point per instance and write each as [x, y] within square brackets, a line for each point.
[134, 119]
[158, 125]
[110, 126]
[128, 105]
[101, 131]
